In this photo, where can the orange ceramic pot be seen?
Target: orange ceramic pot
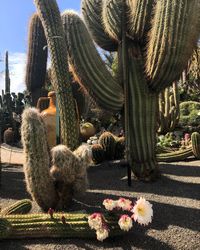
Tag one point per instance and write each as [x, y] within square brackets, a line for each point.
[49, 117]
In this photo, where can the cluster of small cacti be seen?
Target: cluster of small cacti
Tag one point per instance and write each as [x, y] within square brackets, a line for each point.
[109, 147]
[51, 184]
[169, 114]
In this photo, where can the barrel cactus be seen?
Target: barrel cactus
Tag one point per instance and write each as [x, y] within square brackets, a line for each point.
[154, 41]
[98, 153]
[108, 142]
[19, 207]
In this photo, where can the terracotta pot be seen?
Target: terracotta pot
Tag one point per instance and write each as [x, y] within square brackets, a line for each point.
[49, 117]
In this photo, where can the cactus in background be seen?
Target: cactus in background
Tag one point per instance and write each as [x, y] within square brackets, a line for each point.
[50, 17]
[169, 112]
[147, 66]
[57, 225]
[179, 155]
[19, 207]
[36, 59]
[98, 154]
[196, 144]
[119, 148]
[51, 185]
[7, 76]
[108, 142]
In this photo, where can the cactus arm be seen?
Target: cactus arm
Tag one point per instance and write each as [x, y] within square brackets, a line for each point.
[112, 18]
[50, 16]
[170, 47]
[180, 155]
[36, 58]
[19, 207]
[43, 226]
[139, 18]
[88, 65]
[37, 162]
[91, 11]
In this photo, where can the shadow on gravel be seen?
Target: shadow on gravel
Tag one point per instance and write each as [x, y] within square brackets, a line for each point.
[113, 178]
[126, 242]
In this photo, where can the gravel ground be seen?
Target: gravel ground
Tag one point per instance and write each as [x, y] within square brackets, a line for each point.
[175, 198]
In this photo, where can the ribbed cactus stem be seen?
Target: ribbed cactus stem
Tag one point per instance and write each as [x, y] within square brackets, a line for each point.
[19, 207]
[36, 59]
[180, 155]
[7, 76]
[63, 225]
[196, 144]
[37, 161]
[88, 66]
[50, 16]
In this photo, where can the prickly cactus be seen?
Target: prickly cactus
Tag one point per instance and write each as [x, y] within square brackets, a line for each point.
[98, 153]
[119, 148]
[19, 207]
[196, 144]
[108, 142]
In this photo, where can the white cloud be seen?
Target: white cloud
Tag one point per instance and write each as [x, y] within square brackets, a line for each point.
[17, 63]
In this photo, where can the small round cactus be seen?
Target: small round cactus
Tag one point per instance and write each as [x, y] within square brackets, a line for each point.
[108, 142]
[98, 154]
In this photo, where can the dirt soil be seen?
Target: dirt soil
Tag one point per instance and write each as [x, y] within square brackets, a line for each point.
[175, 198]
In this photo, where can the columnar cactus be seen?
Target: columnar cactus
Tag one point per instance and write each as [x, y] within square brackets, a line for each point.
[154, 40]
[51, 184]
[50, 17]
[169, 114]
[7, 76]
[57, 225]
[196, 144]
[36, 59]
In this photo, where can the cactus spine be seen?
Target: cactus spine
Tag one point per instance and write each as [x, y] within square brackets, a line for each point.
[7, 76]
[127, 24]
[65, 225]
[19, 207]
[50, 17]
[36, 59]
[169, 111]
[196, 144]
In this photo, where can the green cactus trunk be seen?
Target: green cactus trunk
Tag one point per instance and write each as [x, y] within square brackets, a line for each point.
[50, 16]
[141, 122]
[65, 225]
[196, 144]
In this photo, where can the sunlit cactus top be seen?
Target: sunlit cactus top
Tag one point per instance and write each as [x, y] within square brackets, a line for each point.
[165, 31]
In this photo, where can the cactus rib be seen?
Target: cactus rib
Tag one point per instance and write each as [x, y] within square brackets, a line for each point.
[196, 144]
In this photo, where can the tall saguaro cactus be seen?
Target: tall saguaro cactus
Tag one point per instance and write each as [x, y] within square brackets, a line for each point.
[36, 59]
[7, 76]
[50, 16]
[154, 40]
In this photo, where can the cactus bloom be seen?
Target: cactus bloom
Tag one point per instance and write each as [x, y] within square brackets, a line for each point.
[124, 204]
[109, 204]
[125, 222]
[95, 221]
[142, 212]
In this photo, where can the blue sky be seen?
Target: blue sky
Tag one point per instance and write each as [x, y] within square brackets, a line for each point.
[14, 20]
